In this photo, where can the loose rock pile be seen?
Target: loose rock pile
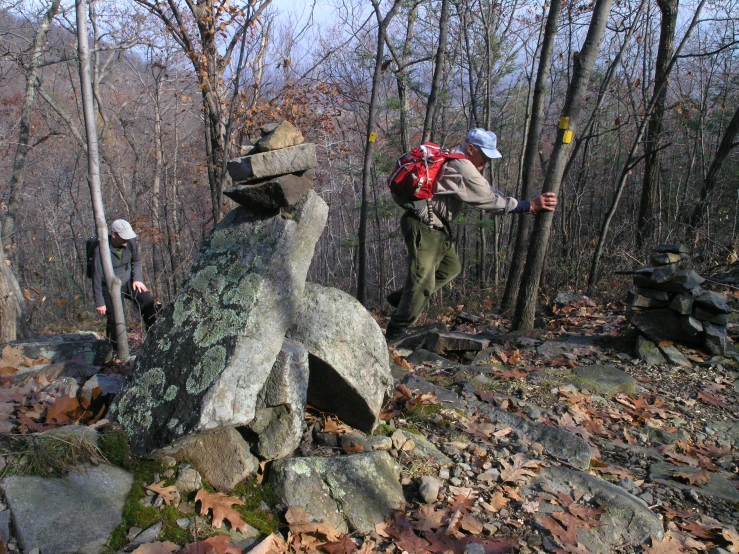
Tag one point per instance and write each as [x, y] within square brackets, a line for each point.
[668, 304]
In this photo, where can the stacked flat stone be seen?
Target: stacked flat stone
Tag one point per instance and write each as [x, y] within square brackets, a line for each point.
[668, 303]
[275, 172]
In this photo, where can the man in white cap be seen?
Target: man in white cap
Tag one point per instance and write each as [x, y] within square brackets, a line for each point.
[124, 253]
[432, 257]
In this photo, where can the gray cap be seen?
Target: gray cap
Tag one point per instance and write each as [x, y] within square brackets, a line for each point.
[123, 229]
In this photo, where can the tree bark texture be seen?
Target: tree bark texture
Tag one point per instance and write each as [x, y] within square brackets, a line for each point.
[583, 65]
[428, 124]
[645, 225]
[530, 158]
[93, 179]
[382, 24]
[24, 124]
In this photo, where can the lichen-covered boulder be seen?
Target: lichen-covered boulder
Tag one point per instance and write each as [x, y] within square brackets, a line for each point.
[204, 363]
[350, 492]
[281, 404]
[349, 369]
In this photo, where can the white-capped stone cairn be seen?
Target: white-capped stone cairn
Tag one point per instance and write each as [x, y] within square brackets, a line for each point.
[246, 344]
[668, 303]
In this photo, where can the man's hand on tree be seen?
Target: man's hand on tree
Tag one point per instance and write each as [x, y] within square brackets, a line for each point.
[100, 310]
[138, 286]
[544, 203]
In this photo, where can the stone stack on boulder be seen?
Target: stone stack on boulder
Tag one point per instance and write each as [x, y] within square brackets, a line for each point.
[224, 377]
[668, 304]
[275, 172]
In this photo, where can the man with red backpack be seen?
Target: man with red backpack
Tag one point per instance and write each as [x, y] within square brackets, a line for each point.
[432, 257]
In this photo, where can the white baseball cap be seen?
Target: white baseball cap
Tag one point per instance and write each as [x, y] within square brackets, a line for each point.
[485, 141]
[123, 229]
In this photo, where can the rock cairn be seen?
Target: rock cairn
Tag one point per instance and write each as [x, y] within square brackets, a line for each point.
[224, 377]
[668, 303]
[275, 172]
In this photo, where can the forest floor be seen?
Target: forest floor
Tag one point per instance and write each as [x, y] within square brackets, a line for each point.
[670, 441]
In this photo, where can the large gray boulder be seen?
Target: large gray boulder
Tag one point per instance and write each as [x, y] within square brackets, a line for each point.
[273, 194]
[660, 325]
[350, 492]
[627, 519]
[607, 380]
[206, 360]
[85, 348]
[281, 404]
[349, 369]
[75, 514]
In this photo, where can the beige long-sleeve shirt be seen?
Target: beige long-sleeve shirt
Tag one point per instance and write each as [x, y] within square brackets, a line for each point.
[460, 183]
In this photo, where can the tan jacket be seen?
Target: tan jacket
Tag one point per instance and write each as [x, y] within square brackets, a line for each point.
[460, 183]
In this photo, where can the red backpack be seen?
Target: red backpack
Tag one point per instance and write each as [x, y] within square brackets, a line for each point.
[415, 172]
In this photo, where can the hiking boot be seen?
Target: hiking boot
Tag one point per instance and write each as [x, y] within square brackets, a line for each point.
[394, 298]
[394, 334]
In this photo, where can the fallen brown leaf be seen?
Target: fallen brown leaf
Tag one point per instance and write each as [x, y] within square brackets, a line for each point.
[156, 548]
[301, 521]
[344, 546]
[700, 477]
[519, 470]
[669, 545]
[164, 492]
[221, 505]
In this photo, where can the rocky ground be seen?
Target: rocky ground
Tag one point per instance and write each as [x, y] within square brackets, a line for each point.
[555, 440]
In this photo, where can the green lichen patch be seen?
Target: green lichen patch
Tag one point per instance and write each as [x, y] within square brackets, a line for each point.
[207, 370]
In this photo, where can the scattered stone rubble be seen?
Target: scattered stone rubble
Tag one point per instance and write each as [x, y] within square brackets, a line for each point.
[668, 304]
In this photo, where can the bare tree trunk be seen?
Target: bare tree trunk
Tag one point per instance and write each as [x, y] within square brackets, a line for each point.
[428, 124]
[530, 157]
[382, 24]
[725, 146]
[24, 125]
[402, 79]
[645, 223]
[523, 317]
[93, 178]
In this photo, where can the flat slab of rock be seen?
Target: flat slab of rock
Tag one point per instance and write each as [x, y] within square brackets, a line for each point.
[727, 430]
[626, 521]
[430, 359]
[674, 356]
[83, 348]
[208, 357]
[719, 486]
[636, 301]
[676, 248]
[417, 335]
[52, 372]
[649, 352]
[64, 516]
[270, 164]
[557, 442]
[350, 492]
[580, 345]
[606, 380]
[660, 325]
[442, 343]
[349, 370]
[715, 339]
[449, 399]
[278, 192]
[281, 404]
[713, 302]
[422, 448]
[222, 457]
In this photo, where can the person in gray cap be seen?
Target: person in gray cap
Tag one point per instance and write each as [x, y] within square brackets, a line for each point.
[124, 253]
[432, 257]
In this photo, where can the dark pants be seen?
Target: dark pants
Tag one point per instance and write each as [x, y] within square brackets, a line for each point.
[432, 263]
[143, 300]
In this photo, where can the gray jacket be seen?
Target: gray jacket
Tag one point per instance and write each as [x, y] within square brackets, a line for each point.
[127, 268]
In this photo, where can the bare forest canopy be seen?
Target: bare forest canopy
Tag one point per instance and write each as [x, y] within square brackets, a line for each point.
[177, 92]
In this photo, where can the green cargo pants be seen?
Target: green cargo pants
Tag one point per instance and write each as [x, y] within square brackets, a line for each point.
[432, 263]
